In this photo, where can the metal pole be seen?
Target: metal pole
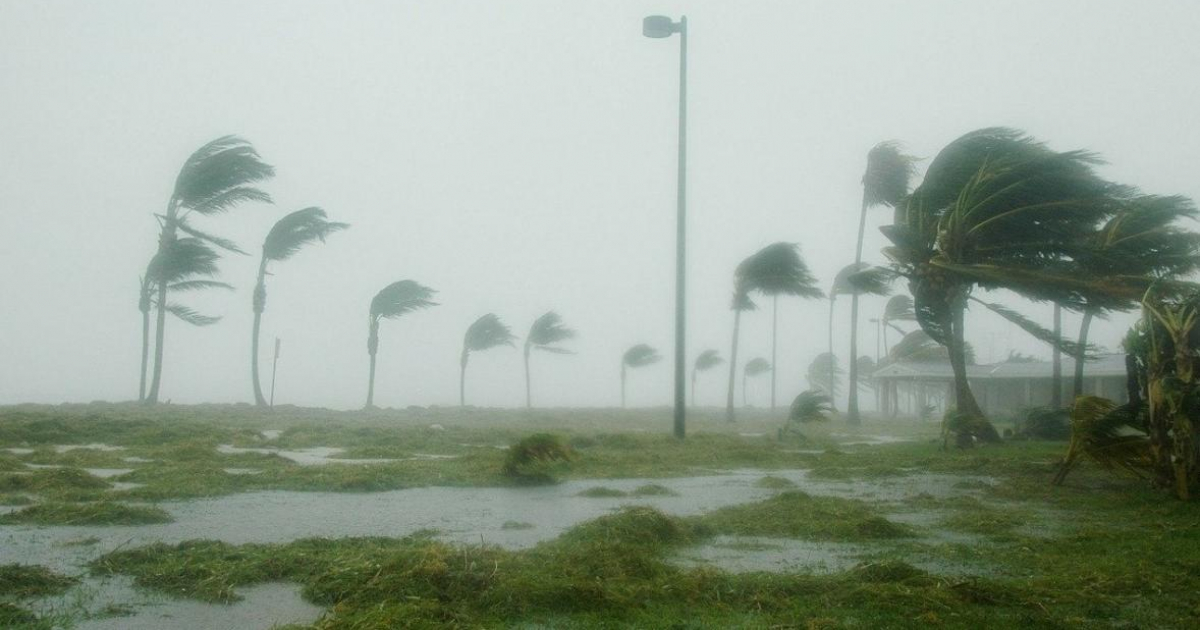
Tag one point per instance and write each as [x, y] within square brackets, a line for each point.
[274, 368]
[681, 237]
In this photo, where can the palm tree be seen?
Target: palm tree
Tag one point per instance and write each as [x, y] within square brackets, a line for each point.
[998, 210]
[394, 300]
[808, 407]
[777, 269]
[187, 265]
[855, 279]
[824, 374]
[485, 333]
[898, 309]
[635, 357]
[1144, 239]
[754, 367]
[885, 183]
[706, 361]
[545, 332]
[286, 238]
[214, 179]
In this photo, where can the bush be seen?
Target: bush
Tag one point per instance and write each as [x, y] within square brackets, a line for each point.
[537, 459]
[1044, 423]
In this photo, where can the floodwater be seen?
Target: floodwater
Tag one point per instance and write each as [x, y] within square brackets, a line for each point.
[463, 515]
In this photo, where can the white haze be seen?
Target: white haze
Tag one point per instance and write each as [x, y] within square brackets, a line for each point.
[519, 157]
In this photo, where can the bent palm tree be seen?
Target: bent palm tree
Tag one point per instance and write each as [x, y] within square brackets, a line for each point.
[485, 333]
[754, 367]
[394, 300]
[777, 269]
[885, 182]
[286, 238]
[635, 357]
[856, 279]
[545, 332]
[808, 407]
[898, 309]
[824, 374]
[214, 179]
[187, 265]
[999, 210]
[706, 361]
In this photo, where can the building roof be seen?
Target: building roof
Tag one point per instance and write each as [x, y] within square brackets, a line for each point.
[1106, 365]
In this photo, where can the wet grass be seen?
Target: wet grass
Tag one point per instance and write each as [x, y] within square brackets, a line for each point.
[795, 514]
[98, 513]
[24, 581]
[601, 492]
[653, 490]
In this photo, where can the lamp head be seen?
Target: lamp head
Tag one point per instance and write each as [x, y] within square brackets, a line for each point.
[658, 26]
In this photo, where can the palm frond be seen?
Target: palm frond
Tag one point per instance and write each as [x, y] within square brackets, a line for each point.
[183, 259]
[548, 330]
[1109, 434]
[824, 373]
[296, 230]
[870, 280]
[223, 243]
[810, 406]
[219, 174]
[777, 269]
[889, 171]
[640, 355]
[487, 332]
[756, 366]
[918, 346]
[1070, 348]
[190, 316]
[399, 298]
[199, 285]
[707, 360]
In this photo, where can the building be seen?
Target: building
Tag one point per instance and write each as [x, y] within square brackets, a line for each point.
[1000, 388]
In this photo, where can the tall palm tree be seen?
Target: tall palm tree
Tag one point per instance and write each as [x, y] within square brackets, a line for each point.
[855, 279]
[777, 269]
[485, 333]
[286, 238]
[217, 177]
[635, 357]
[394, 300]
[754, 367]
[1143, 239]
[999, 210]
[885, 182]
[545, 332]
[189, 264]
[704, 362]
[898, 309]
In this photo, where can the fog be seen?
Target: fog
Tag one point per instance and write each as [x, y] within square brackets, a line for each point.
[519, 157]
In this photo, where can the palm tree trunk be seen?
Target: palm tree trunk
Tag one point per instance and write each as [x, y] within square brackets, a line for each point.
[1056, 362]
[259, 303]
[462, 380]
[737, 323]
[528, 396]
[832, 361]
[622, 385]
[964, 397]
[852, 403]
[1077, 391]
[372, 348]
[745, 402]
[693, 387]
[145, 352]
[165, 240]
[886, 349]
[774, 345]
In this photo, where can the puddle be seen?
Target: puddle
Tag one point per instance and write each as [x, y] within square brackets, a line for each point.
[105, 473]
[752, 435]
[137, 460]
[870, 440]
[315, 456]
[20, 451]
[742, 554]
[242, 471]
[271, 434]
[66, 448]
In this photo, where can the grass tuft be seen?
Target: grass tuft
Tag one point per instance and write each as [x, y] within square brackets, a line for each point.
[25, 580]
[98, 513]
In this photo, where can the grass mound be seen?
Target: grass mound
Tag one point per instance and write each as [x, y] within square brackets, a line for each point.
[537, 459]
[796, 514]
[52, 481]
[601, 492]
[98, 513]
[26, 580]
[13, 616]
[654, 490]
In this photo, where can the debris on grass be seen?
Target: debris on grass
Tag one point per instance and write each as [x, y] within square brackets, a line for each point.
[97, 513]
[26, 580]
[795, 514]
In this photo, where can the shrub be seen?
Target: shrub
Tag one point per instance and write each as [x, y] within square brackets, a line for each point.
[537, 458]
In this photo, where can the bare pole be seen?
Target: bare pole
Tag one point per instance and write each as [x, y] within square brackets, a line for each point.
[681, 241]
[274, 368]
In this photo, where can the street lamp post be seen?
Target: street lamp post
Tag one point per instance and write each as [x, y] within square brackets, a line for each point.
[659, 26]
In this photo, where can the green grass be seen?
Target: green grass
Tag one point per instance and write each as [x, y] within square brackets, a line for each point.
[653, 490]
[795, 514]
[601, 492]
[24, 581]
[98, 513]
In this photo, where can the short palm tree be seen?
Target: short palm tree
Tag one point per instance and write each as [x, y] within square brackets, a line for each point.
[777, 269]
[635, 357]
[286, 238]
[754, 367]
[394, 300]
[217, 177]
[825, 375]
[189, 264]
[808, 407]
[485, 333]
[546, 331]
[706, 361]
[999, 210]
[1111, 435]
[885, 182]
[898, 309]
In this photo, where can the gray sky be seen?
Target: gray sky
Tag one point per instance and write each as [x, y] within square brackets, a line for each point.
[520, 156]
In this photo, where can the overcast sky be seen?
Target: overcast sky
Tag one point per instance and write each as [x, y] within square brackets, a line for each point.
[518, 157]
